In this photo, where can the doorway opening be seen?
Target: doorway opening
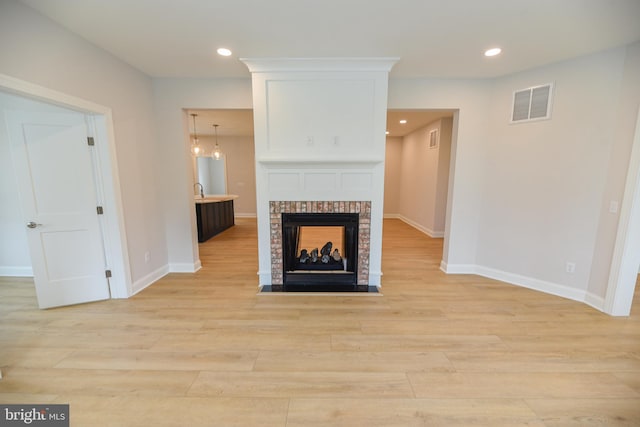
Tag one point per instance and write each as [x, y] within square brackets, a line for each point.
[233, 172]
[418, 164]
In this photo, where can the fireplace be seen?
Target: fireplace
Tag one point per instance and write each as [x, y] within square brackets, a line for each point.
[319, 148]
[320, 251]
[320, 246]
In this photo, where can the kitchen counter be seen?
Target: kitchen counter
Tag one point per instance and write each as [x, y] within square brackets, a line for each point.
[215, 198]
[214, 214]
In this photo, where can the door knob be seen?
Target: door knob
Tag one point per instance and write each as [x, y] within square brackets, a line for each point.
[32, 224]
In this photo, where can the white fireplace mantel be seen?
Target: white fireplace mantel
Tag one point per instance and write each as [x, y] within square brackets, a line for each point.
[270, 65]
[319, 131]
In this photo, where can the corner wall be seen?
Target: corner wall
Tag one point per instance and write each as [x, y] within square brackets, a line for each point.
[36, 50]
[526, 199]
[171, 97]
[624, 125]
[469, 135]
[544, 190]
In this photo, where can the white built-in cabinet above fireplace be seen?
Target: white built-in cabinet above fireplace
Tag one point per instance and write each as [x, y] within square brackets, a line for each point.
[315, 110]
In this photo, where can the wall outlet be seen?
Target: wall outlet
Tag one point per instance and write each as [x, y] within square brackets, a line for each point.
[147, 257]
[613, 206]
[571, 267]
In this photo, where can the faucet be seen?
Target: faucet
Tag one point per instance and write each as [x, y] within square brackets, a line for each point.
[201, 189]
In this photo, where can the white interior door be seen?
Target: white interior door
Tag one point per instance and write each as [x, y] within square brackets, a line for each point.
[55, 171]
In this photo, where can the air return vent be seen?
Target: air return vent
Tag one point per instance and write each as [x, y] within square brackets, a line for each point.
[531, 104]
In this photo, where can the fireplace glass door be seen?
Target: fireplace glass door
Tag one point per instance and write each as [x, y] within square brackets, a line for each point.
[320, 251]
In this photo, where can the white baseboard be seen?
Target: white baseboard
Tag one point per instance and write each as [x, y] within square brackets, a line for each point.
[595, 301]
[245, 215]
[434, 234]
[149, 279]
[16, 271]
[532, 283]
[457, 268]
[527, 282]
[264, 278]
[185, 267]
[374, 278]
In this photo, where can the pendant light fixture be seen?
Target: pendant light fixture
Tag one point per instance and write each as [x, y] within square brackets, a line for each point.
[216, 150]
[195, 143]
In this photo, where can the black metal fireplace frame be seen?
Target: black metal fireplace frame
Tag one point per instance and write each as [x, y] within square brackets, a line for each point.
[298, 281]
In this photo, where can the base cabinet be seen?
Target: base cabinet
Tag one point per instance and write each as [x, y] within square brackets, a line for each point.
[213, 218]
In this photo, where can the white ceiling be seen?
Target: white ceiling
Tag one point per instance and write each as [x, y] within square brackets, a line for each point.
[432, 38]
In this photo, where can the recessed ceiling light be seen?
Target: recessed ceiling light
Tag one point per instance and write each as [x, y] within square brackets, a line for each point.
[403, 121]
[386, 133]
[224, 51]
[493, 52]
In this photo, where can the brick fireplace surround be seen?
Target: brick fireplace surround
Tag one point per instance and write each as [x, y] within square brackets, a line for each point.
[277, 208]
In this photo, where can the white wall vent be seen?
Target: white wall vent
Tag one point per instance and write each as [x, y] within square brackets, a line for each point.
[531, 104]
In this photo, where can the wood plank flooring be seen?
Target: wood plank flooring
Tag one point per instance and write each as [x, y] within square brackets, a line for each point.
[204, 349]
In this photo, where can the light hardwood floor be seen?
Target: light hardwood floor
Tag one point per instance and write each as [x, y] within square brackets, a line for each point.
[435, 350]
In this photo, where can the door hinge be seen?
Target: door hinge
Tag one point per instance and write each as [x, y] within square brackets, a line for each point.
[100, 210]
[107, 273]
[90, 141]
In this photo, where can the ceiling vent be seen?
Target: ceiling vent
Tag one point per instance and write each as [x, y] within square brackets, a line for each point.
[531, 104]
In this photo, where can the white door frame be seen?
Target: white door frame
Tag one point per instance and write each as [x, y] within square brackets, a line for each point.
[116, 251]
[626, 254]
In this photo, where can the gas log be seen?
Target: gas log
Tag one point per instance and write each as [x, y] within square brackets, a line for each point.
[325, 256]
